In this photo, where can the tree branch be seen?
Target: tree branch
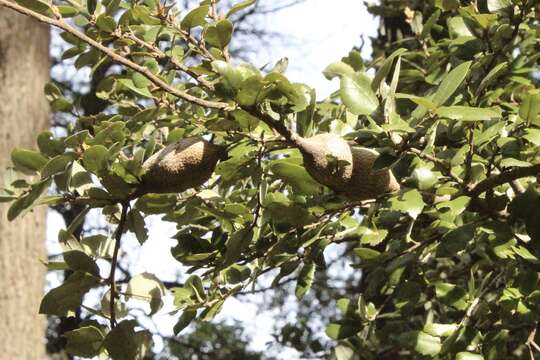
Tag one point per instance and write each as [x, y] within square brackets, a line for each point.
[504, 177]
[116, 57]
[276, 125]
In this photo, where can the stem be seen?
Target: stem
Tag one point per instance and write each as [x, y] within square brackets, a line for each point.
[278, 126]
[469, 158]
[114, 262]
[179, 65]
[504, 177]
[116, 57]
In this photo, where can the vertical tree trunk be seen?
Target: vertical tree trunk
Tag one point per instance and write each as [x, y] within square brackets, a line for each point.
[24, 70]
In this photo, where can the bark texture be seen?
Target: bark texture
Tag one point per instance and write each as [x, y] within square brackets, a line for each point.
[24, 70]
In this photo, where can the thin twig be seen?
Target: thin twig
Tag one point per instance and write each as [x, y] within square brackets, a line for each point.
[469, 158]
[179, 65]
[114, 262]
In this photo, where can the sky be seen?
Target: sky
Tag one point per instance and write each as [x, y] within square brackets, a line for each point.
[321, 32]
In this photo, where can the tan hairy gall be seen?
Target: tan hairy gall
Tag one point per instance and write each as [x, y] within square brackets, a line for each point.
[182, 165]
[345, 169]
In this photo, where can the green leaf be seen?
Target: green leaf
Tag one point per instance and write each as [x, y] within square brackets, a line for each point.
[455, 240]
[236, 244]
[296, 176]
[80, 180]
[530, 107]
[129, 84]
[28, 160]
[427, 344]
[219, 35]
[344, 352]
[525, 207]
[56, 165]
[385, 68]
[409, 202]
[240, 6]
[232, 77]
[466, 113]
[124, 343]
[39, 6]
[210, 312]
[91, 6]
[85, 341]
[451, 82]
[424, 177]
[185, 319]
[498, 5]
[458, 29]
[49, 145]
[338, 69]
[440, 329]
[61, 104]
[140, 81]
[357, 95]
[68, 296]
[147, 287]
[67, 11]
[373, 237]
[250, 91]
[281, 66]
[195, 17]
[465, 355]
[195, 284]
[137, 225]
[419, 100]
[236, 274]
[27, 201]
[151, 204]
[342, 330]
[451, 295]
[95, 158]
[106, 23]
[366, 253]
[491, 76]
[305, 280]
[79, 261]
[533, 135]
[245, 119]
[295, 93]
[305, 119]
[428, 25]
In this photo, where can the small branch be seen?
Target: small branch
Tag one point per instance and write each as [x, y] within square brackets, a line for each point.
[469, 158]
[179, 65]
[504, 177]
[531, 344]
[278, 126]
[116, 57]
[114, 262]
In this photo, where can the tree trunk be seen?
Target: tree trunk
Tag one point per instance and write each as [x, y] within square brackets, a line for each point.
[24, 70]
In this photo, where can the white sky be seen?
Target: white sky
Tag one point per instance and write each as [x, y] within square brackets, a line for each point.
[322, 32]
